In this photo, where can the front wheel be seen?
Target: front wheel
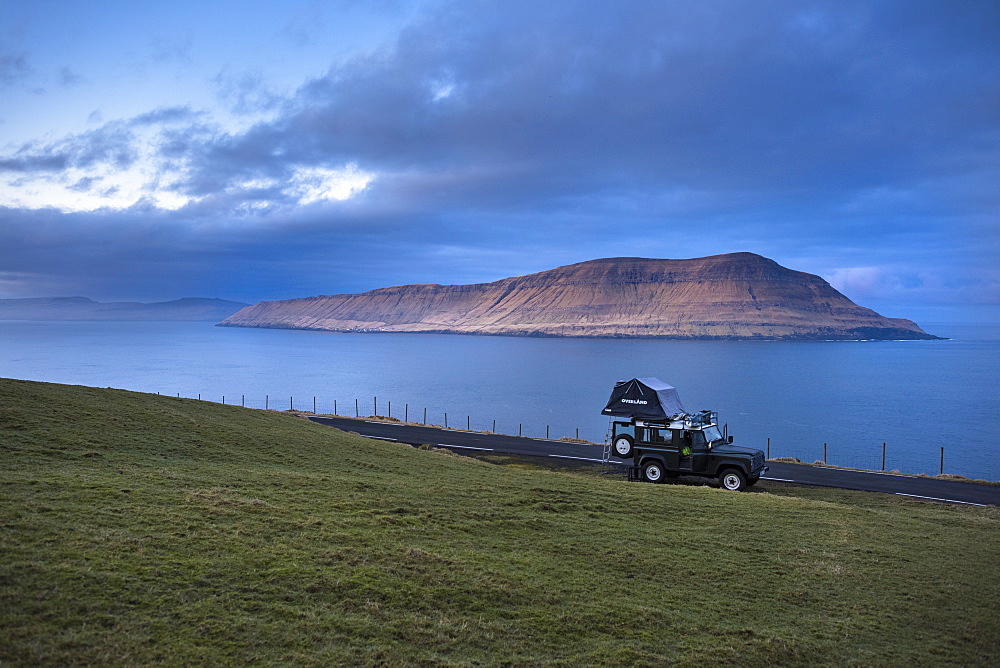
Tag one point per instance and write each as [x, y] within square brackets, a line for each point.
[652, 472]
[623, 447]
[733, 480]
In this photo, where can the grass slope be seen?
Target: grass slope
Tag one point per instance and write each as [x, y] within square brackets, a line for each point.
[137, 529]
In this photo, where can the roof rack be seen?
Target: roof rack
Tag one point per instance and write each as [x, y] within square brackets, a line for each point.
[704, 418]
[683, 420]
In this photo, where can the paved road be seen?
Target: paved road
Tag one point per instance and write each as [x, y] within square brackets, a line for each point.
[459, 441]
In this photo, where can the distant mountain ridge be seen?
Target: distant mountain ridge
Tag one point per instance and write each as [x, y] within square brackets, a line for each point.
[731, 296]
[189, 309]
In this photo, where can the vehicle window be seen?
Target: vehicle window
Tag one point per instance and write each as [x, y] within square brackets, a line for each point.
[655, 436]
[712, 434]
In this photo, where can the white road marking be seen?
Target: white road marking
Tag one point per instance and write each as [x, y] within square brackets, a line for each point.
[934, 498]
[464, 447]
[778, 479]
[586, 459]
[382, 438]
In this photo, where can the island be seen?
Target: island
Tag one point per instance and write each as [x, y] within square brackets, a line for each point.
[731, 296]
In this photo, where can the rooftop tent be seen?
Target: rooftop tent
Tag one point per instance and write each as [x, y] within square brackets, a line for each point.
[645, 399]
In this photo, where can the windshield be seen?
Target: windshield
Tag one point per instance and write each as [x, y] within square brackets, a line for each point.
[712, 433]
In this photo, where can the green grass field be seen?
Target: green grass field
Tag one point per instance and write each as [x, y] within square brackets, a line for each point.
[139, 529]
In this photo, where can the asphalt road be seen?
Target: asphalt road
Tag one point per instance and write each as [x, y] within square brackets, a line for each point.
[465, 441]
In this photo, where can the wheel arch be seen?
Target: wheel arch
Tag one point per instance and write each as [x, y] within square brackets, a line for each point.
[646, 458]
[733, 464]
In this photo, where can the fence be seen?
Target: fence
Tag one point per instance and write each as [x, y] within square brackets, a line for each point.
[354, 409]
[875, 460]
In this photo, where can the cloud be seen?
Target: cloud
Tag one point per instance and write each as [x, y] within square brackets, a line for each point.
[851, 139]
[167, 116]
[67, 77]
[14, 68]
[578, 103]
[246, 93]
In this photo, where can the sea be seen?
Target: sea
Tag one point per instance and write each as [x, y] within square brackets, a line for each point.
[907, 406]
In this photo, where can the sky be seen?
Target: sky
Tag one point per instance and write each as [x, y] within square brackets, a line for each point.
[259, 150]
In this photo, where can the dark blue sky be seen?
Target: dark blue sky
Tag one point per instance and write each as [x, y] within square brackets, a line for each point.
[266, 150]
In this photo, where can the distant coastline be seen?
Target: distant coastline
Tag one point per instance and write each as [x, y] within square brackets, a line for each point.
[189, 309]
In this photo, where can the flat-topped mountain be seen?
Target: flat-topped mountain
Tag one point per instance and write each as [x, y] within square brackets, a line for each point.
[82, 308]
[733, 296]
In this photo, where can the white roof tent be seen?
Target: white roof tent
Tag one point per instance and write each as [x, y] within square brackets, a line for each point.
[644, 399]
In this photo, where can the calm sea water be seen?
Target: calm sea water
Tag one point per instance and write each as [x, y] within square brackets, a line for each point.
[916, 396]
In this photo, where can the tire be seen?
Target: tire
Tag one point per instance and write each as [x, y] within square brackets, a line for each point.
[622, 447]
[733, 479]
[653, 472]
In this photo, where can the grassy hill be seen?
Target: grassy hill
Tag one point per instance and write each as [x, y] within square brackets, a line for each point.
[139, 529]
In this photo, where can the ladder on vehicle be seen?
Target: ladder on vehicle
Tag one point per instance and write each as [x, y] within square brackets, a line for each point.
[606, 455]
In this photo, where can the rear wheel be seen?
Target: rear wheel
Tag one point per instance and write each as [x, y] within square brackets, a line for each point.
[623, 447]
[733, 479]
[652, 472]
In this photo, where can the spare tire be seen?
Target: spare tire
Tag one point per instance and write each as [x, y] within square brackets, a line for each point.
[622, 447]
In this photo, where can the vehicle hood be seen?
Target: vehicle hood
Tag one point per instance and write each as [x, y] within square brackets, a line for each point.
[730, 449]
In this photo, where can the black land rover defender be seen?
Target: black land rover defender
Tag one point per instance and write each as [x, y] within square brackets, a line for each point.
[686, 445]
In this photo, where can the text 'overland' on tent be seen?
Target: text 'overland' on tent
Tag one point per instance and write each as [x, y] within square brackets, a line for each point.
[645, 399]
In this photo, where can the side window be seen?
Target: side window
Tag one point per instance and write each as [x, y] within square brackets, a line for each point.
[685, 439]
[657, 436]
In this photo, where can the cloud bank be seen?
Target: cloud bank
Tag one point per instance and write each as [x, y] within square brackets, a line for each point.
[856, 140]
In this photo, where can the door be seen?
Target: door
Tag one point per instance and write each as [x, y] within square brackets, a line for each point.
[662, 441]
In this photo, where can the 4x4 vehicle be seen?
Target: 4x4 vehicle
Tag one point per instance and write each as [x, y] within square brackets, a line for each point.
[665, 441]
[686, 445]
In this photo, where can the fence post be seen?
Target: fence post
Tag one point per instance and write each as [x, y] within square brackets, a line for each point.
[390, 410]
[266, 399]
[578, 433]
[376, 405]
[356, 413]
[335, 407]
[768, 447]
[942, 461]
[314, 404]
[824, 453]
[199, 396]
[243, 400]
[468, 423]
[518, 428]
[494, 426]
[445, 420]
[406, 412]
[425, 416]
[291, 405]
[883, 456]
[223, 400]
[546, 432]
